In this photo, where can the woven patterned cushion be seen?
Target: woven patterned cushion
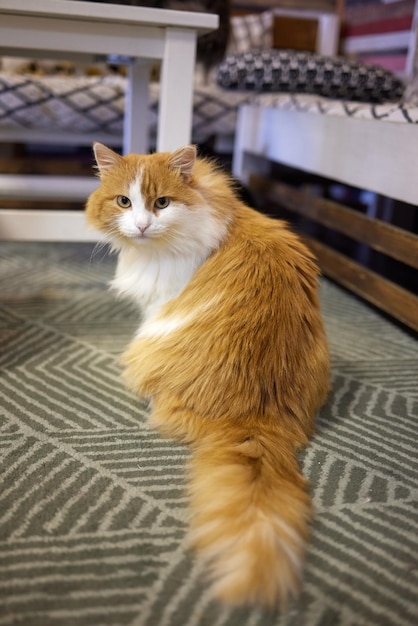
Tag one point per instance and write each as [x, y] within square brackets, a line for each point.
[250, 32]
[95, 104]
[304, 72]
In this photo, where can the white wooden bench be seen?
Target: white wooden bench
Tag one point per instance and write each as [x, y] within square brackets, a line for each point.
[371, 147]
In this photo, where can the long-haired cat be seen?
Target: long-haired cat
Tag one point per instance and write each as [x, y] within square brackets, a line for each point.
[231, 352]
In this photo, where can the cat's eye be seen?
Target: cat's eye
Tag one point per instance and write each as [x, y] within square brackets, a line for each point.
[162, 203]
[123, 202]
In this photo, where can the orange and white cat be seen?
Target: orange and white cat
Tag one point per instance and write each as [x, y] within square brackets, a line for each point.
[231, 352]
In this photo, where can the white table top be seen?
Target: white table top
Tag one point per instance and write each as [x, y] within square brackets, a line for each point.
[86, 11]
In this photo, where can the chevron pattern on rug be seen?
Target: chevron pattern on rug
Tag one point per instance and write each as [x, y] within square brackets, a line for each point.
[93, 510]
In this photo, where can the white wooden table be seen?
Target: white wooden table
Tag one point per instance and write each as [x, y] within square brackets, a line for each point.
[84, 31]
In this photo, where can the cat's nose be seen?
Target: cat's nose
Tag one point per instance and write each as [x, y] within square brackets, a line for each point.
[142, 227]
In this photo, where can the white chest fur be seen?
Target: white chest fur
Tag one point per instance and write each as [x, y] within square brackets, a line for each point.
[152, 278]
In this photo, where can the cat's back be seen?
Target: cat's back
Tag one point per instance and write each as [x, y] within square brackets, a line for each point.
[250, 309]
[261, 271]
[262, 249]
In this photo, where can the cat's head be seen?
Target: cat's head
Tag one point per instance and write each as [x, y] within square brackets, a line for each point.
[151, 200]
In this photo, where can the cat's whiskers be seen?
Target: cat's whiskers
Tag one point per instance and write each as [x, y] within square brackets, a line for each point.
[173, 238]
[114, 237]
[100, 245]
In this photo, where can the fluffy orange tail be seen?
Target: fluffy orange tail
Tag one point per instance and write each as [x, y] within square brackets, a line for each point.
[250, 513]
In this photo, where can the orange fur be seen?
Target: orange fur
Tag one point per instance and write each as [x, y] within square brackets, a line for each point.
[236, 364]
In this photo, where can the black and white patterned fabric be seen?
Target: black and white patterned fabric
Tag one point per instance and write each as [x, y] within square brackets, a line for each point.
[399, 112]
[62, 103]
[251, 32]
[305, 72]
[95, 105]
[91, 106]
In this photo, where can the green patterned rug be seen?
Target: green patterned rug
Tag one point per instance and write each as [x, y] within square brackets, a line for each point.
[92, 504]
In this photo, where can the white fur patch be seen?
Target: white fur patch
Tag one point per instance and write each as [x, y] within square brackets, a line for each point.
[152, 278]
[136, 218]
[163, 327]
[141, 216]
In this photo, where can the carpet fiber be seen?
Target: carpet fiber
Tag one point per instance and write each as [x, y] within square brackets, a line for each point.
[92, 506]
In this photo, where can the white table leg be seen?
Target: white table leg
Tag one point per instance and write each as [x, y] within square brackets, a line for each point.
[135, 124]
[244, 163]
[176, 93]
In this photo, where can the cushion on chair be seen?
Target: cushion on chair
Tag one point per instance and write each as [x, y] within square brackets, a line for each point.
[305, 72]
[251, 32]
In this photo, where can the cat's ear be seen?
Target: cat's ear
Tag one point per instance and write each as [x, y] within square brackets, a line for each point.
[105, 157]
[183, 159]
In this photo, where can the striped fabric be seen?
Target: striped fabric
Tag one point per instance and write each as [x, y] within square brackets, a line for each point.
[92, 504]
